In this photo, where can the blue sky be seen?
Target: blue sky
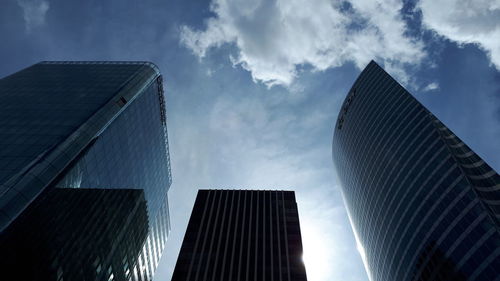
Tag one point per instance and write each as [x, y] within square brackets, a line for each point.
[253, 88]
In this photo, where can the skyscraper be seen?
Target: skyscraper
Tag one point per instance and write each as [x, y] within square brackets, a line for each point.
[77, 234]
[242, 235]
[88, 127]
[422, 204]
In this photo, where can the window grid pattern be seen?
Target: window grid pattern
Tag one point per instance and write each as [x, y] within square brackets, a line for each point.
[43, 104]
[420, 208]
[131, 153]
[73, 83]
[104, 127]
[103, 229]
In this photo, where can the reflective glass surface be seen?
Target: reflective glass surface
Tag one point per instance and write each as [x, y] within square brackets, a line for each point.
[131, 153]
[413, 189]
[95, 126]
[41, 105]
[69, 234]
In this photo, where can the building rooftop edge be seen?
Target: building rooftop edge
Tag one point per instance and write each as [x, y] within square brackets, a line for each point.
[147, 63]
[26, 185]
[225, 189]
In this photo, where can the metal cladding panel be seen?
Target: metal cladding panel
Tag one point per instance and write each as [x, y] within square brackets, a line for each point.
[422, 204]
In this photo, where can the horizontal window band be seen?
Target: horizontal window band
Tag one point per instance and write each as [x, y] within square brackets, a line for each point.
[483, 176]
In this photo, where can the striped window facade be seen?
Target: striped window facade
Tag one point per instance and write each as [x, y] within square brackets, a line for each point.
[422, 204]
[242, 235]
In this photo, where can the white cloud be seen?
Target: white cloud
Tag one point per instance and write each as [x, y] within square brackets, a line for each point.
[34, 12]
[431, 87]
[273, 38]
[466, 21]
[262, 148]
[254, 141]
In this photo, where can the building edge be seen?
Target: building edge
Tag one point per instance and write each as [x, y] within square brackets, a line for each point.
[24, 187]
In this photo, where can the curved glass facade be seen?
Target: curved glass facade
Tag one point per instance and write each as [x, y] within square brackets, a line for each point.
[423, 205]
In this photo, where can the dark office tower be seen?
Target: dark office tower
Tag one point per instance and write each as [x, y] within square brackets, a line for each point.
[423, 205]
[242, 235]
[85, 126]
[76, 234]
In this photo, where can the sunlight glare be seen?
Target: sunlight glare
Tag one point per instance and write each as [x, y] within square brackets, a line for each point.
[316, 252]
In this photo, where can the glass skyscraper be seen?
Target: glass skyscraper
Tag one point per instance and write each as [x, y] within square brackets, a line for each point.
[242, 235]
[86, 136]
[77, 234]
[422, 204]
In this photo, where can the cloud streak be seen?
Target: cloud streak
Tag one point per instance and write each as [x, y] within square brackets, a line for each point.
[34, 12]
[274, 39]
[466, 21]
[273, 149]
[254, 140]
[431, 87]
